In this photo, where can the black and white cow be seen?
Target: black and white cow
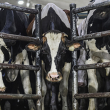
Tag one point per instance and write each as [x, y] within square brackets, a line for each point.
[55, 46]
[12, 51]
[97, 49]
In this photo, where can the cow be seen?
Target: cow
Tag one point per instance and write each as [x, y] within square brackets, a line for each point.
[97, 49]
[55, 47]
[12, 51]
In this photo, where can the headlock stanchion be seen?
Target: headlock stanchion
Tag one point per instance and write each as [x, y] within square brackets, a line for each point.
[38, 61]
[17, 8]
[74, 59]
[73, 12]
[38, 95]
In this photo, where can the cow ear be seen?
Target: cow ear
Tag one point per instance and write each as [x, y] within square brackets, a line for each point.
[33, 47]
[71, 46]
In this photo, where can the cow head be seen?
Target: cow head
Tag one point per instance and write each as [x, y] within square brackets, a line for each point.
[100, 21]
[53, 46]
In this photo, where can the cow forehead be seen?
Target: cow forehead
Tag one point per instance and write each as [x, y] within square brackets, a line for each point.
[53, 40]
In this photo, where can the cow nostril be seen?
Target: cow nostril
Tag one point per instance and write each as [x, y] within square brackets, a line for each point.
[57, 76]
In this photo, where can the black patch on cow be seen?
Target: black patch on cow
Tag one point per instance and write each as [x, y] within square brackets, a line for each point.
[6, 53]
[100, 21]
[53, 17]
[46, 56]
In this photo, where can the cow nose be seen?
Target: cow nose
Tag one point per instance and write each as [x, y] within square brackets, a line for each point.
[54, 77]
[81, 84]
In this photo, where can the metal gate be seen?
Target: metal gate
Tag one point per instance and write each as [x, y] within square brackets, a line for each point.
[37, 12]
[75, 67]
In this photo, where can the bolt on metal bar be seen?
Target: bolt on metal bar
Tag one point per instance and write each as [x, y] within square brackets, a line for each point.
[16, 66]
[91, 7]
[92, 95]
[93, 35]
[92, 66]
[20, 96]
[38, 60]
[74, 58]
[18, 37]
[17, 8]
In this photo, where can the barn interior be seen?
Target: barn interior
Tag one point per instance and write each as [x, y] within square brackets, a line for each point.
[64, 4]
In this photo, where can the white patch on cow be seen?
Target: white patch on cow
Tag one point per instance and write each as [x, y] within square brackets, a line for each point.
[91, 25]
[58, 11]
[2, 86]
[53, 41]
[63, 88]
[2, 43]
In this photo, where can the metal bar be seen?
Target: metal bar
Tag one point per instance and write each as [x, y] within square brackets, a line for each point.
[38, 60]
[20, 96]
[16, 66]
[91, 7]
[92, 66]
[17, 8]
[74, 58]
[92, 95]
[93, 35]
[18, 37]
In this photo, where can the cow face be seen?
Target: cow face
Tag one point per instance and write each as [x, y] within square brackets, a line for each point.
[100, 21]
[53, 52]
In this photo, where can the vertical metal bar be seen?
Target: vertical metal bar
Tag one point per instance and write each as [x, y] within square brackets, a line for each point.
[74, 58]
[38, 60]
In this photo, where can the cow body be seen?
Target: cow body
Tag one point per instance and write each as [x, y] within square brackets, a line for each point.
[56, 57]
[12, 51]
[97, 49]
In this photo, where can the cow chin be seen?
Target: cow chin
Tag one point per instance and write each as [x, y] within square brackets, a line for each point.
[52, 77]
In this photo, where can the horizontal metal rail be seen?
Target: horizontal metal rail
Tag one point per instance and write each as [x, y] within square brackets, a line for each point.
[92, 66]
[93, 35]
[20, 96]
[92, 95]
[18, 37]
[16, 66]
[17, 8]
[91, 7]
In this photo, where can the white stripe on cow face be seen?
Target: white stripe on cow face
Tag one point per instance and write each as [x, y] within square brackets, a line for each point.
[53, 41]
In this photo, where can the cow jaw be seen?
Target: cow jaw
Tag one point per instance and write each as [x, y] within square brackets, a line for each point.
[53, 40]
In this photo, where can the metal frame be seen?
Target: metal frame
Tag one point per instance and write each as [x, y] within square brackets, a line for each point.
[36, 11]
[73, 12]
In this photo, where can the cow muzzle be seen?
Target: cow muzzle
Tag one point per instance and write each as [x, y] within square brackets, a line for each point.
[54, 77]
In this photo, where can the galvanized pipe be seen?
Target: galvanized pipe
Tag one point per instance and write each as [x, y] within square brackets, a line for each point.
[17, 8]
[92, 95]
[74, 58]
[16, 66]
[93, 35]
[18, 37]
[38, 60]
[92, 66]
[91, 7]
[20, 96]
